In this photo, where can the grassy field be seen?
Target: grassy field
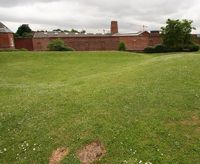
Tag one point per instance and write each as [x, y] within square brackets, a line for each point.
[141, 107]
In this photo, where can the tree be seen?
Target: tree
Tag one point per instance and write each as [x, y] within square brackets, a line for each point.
[74, 31]
[83, 32]
[57, 30]
[177, 33]
[23, 30]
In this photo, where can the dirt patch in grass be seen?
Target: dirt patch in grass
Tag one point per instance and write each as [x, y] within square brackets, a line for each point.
[91, 152]
[197, 130]
[58, 155]
[188, 125]
[191, 122]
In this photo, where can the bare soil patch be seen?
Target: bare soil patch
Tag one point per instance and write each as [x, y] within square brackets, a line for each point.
[191, 122]
[91, 152]
[190, 126]
[197, 131]
[58, 155]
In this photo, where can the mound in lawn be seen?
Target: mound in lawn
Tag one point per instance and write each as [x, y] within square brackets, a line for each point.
[143, 108]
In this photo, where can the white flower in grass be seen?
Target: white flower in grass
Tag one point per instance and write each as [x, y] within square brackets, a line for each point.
[33, 149]
[5, 149]
[140, 161]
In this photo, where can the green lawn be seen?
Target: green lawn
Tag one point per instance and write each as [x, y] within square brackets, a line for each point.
[141, 107]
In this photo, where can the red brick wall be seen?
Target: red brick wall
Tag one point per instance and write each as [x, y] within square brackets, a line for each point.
[96, 43]
[40, 44]
[6, 41]
[196, 39]
[136, 43]
[81, 43]
[155, 40]
[93, 43]
[26, 43]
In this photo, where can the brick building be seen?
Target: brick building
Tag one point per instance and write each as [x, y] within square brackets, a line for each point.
[92, 42]
[6, 38]
[84, 42]
[80, 42]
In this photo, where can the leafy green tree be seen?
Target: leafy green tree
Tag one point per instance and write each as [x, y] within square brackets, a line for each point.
[71, 31]
[57, 30]
[23, 30]
[74, 31]
[177, 33]
[83, 32]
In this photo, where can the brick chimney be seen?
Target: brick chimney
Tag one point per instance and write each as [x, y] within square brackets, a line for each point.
[114, 27]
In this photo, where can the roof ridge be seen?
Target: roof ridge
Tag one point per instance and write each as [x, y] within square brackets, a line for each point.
[4, 29]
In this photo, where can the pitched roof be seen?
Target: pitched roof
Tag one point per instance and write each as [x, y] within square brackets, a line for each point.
[130, 34]
[4, 29]
[51, 34]
[65, 34]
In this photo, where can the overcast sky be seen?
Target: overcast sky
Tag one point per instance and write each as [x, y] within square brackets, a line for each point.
[95, 15]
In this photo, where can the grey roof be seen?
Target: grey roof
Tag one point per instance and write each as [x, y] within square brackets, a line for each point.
[4, 29]
[51, 34]
[129, 34]
[65, 34]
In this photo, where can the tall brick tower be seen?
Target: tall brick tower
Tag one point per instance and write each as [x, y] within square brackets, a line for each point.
[114, 27]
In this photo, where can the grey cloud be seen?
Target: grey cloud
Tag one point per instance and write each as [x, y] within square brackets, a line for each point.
[95, 14]
[11, 3]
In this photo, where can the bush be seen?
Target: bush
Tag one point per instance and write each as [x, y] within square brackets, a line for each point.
[122, 46]
[193, 48]
[58, 45]
[23, 49]
[149, 50]
[177, 49]
[163, 48]
[66, 49]
[160, 48]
